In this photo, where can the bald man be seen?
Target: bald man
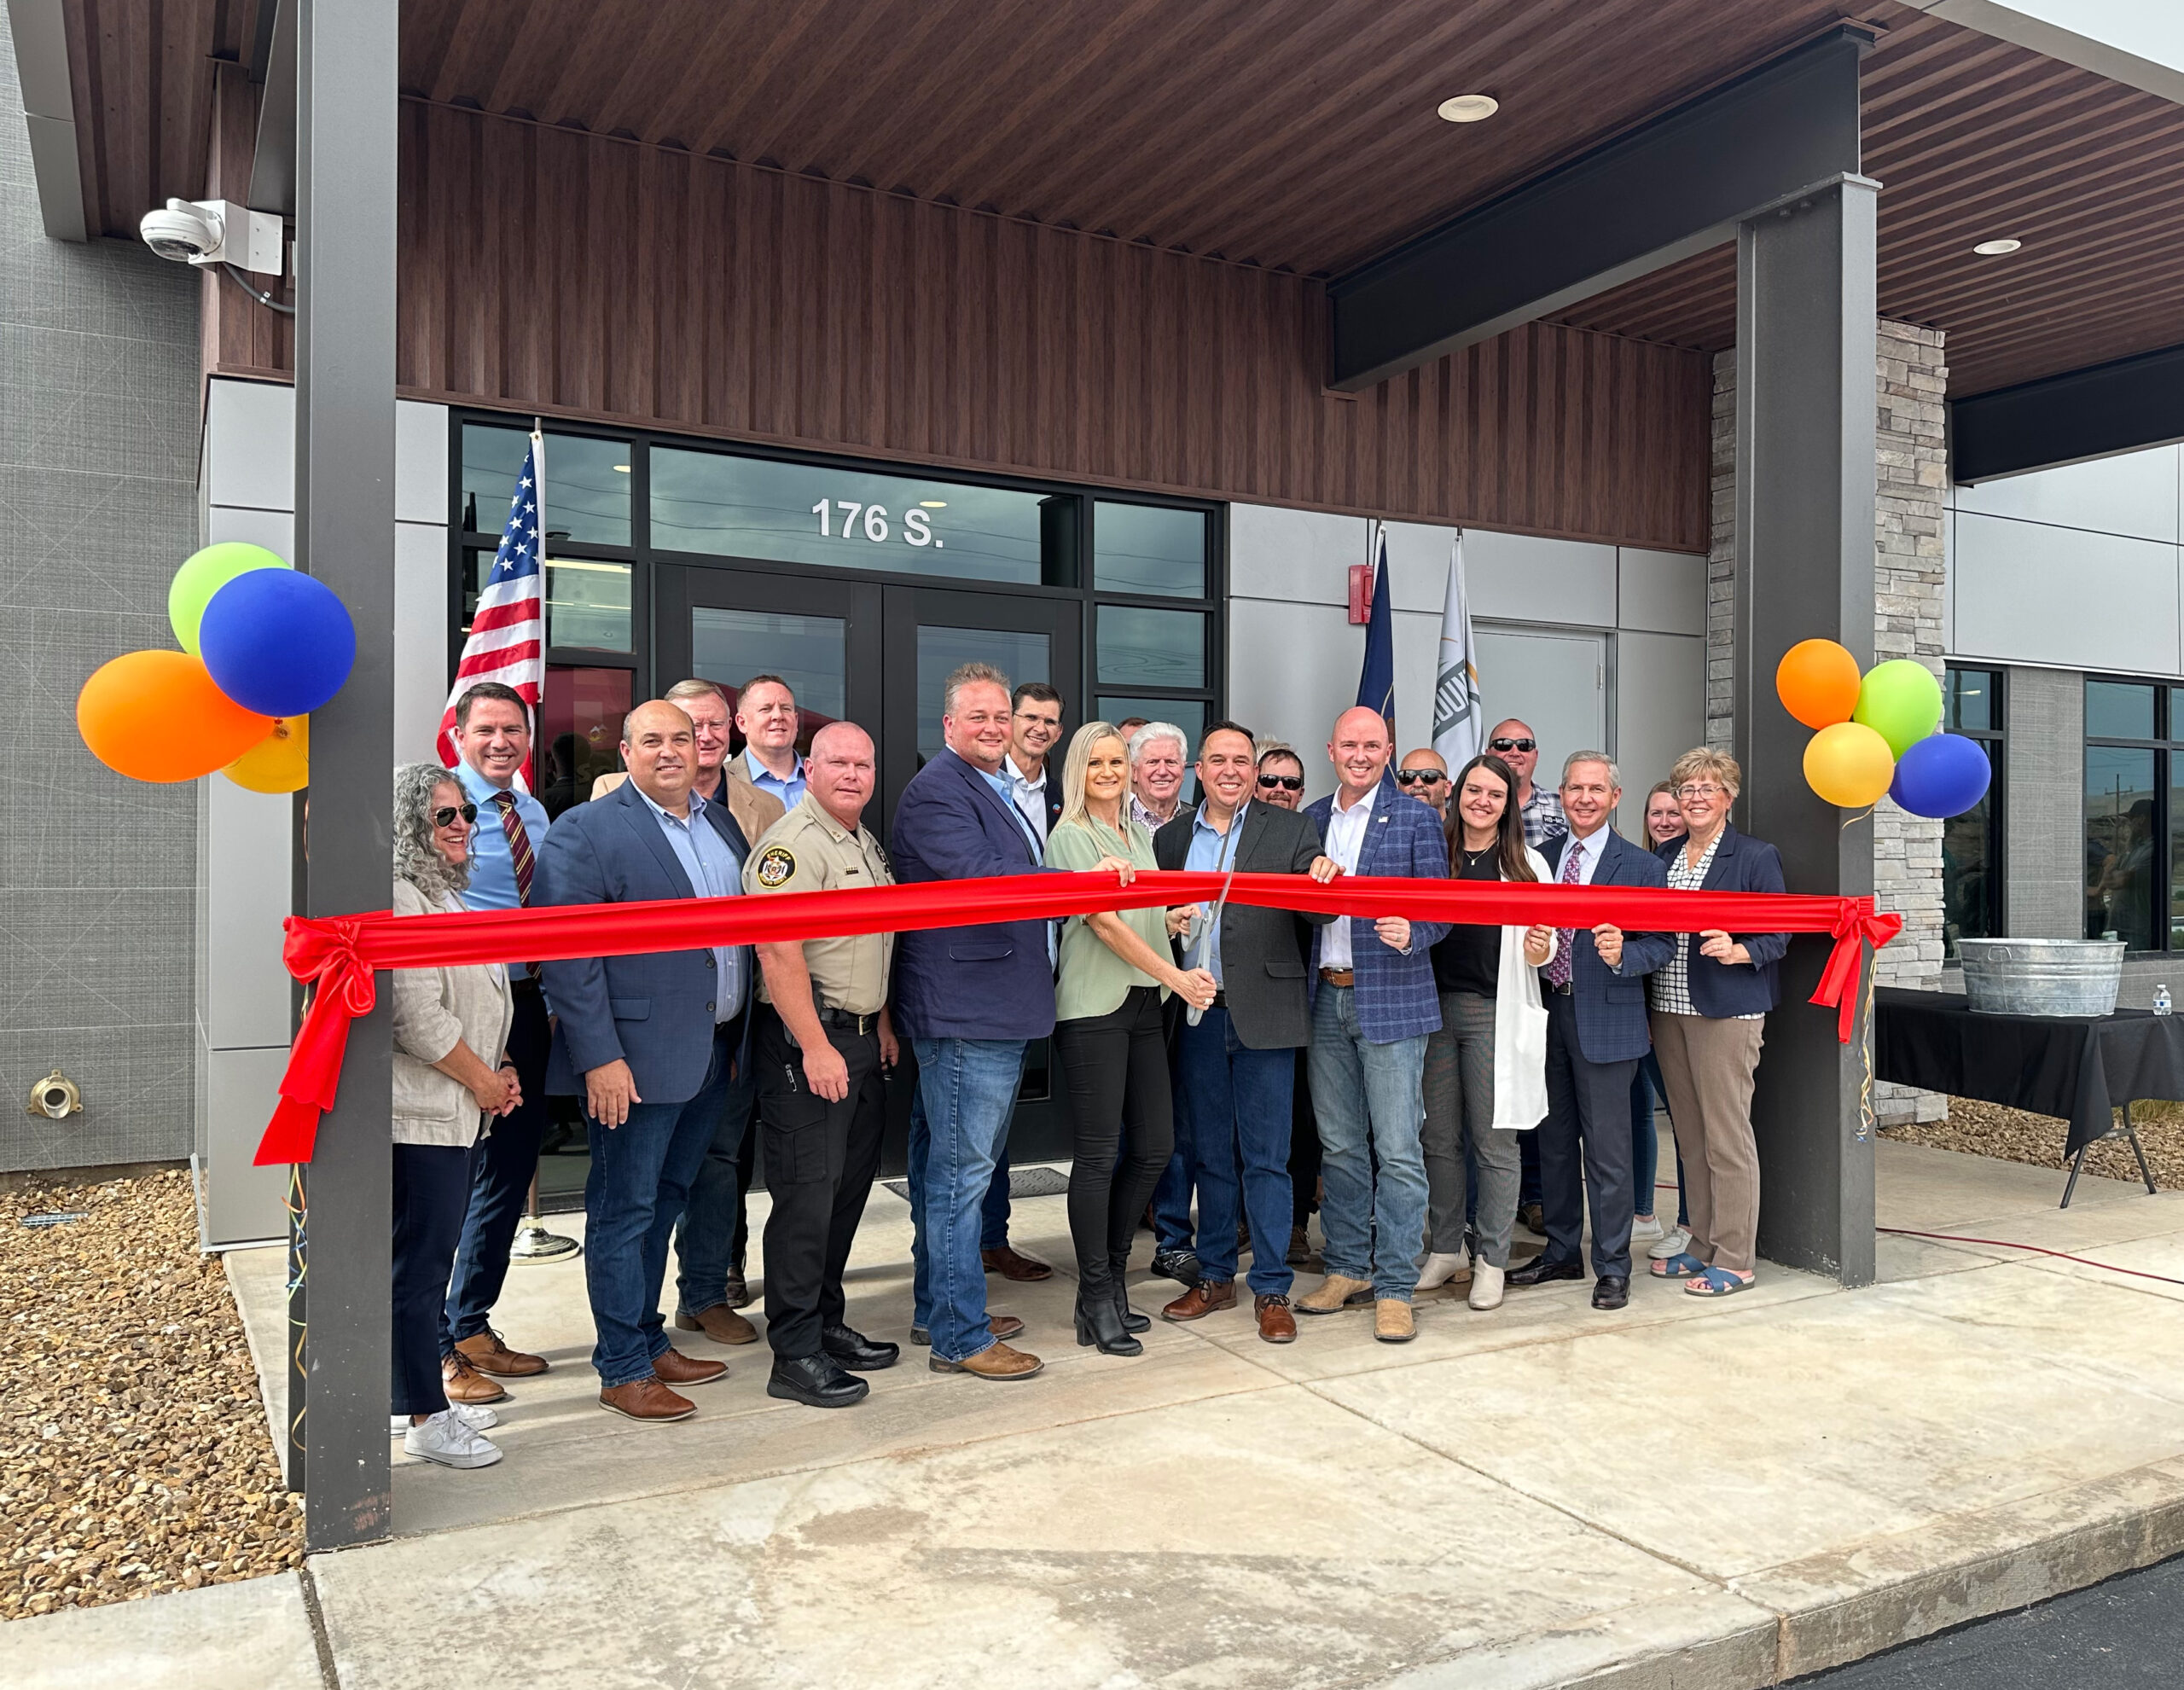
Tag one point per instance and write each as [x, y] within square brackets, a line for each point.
[1513, 741]
[1424, 774]
[651, 1044]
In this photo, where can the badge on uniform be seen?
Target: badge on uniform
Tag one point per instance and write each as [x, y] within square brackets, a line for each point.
[776, 867]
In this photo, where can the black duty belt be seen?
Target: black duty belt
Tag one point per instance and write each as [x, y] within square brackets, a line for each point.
[842, 1019]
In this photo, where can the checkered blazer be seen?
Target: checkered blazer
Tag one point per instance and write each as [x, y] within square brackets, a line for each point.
[1396, 995]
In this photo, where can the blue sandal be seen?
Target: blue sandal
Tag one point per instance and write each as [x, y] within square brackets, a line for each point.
[1717, 1282]
[1679, 1266]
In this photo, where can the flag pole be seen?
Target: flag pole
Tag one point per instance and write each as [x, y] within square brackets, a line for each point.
[538, 711]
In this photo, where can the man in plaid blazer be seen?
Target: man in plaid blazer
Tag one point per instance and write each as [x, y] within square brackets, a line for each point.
[1373, 1005]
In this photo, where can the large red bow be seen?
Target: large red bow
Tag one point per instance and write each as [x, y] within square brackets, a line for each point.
[1857, 925]
[325, 955]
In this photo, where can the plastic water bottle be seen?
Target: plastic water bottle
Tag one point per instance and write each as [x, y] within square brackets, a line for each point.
[2161, 1000]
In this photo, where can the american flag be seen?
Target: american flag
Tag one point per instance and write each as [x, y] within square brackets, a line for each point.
[508, 636]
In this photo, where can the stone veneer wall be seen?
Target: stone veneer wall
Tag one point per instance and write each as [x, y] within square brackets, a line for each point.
[1911, 475]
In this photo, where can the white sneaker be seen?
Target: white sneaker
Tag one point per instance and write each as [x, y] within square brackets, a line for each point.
[475, 1415]
[1674, 1244]
[1644, 1231]
[446, 1439]
[1440, 1269]
[1486, 1286]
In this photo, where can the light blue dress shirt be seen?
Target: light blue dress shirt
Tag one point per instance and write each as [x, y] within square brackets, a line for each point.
[710, 865]
[789, 792]
[1209, 853]
[1005, 790]
[492, 870]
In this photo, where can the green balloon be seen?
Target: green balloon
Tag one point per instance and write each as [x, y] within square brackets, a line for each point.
[1901, 701]
[204, 575]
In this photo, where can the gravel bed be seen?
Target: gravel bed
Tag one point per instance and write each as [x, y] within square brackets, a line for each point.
[134, 1457]
[2014, 1135]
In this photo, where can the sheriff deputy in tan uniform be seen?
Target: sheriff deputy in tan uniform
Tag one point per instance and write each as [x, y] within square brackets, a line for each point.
[821, 1038]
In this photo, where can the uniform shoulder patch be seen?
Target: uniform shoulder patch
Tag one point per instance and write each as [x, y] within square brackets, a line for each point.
[776, 867]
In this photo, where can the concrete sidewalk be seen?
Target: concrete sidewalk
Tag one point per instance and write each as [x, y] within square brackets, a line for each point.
[1688, 1493]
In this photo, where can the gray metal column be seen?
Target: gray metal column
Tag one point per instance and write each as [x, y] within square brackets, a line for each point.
[346, 92]
[1804, 515]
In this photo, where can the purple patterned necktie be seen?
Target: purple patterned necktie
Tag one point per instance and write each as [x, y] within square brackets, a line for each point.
[1558, 968]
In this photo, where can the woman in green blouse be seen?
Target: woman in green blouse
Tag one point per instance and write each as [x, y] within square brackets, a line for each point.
[1115, 968]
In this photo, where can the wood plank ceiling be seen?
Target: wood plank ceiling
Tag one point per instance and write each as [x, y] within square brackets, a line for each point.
[1296, 135]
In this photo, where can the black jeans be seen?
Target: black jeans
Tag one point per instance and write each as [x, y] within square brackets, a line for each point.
[1305, 1149]
[502, 1165]
[431, 1190]
[1115, 1067]
[821, 1158]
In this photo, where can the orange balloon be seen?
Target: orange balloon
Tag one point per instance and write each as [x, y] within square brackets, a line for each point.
[157, 716]
[279, 763]
[1817, 682]
[1849, 765]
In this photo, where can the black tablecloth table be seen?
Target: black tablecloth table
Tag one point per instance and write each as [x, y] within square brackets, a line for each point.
[2078, 1067]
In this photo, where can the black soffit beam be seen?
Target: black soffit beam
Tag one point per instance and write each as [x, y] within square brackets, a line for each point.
[1676, 186]
[2091, 412]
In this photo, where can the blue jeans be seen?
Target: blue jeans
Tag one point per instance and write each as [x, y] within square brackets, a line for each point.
[1171, 1193]
[967, 1091]
[704, 1236]
[1370, 1101]
[1645, 1141]
[993, 1209]
[1240, 1099]
[639, 1179]
[501, 1165]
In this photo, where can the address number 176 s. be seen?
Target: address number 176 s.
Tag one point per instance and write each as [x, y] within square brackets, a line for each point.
[917, 526]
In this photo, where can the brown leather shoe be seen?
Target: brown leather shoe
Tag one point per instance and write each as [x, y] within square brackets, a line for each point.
[1201, 1300]
[647, 1399]
[720, 1323]
[1010, 1265]
[490, 1356]
[1002, 1327]
[1277, 1324]
[737, 1291]
[676, 1368]
[463, 1383]
[996, 1362]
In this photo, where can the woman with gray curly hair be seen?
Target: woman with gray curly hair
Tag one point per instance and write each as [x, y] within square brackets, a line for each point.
[450, 1034]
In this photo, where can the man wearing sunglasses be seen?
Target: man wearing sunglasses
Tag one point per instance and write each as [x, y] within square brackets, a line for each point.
[1424, 775]
[1282, 778]
[1516, 745]
[492, 731]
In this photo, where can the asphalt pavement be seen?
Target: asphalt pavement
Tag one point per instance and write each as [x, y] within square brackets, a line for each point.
[2126, 1632]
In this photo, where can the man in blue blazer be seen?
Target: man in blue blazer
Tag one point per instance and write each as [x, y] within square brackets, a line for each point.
[1373, 1005]
[1595, 993]
[651, 1042]
[969, 999]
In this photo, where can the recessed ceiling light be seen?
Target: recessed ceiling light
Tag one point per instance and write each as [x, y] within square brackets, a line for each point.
[933, 504]
[1470, 108]
[621, 469]
[1996, 249]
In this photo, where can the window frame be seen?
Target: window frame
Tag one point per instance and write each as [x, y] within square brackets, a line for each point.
[1995, 735]
[2164, 744]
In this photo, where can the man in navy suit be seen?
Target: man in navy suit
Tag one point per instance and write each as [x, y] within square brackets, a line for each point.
[1596, 994]
[1373, 1005]
[651, 1042]
[969, 999]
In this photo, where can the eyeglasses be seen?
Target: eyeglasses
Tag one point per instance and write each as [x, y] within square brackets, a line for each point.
[1288, 783]
[1701, 789]
[1513, 744]
[445, 818]
[1418, 777]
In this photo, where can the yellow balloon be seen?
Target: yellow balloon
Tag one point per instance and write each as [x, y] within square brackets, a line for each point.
[1849, 765]
[279, 763]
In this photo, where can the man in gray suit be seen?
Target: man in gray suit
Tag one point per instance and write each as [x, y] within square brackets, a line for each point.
[1235, 1066]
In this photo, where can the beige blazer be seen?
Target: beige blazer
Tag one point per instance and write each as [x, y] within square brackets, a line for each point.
[433, 1009]
[755, 811]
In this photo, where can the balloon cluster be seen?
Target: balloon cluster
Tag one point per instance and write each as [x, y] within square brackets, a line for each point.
[1878, 732]
[262, 648]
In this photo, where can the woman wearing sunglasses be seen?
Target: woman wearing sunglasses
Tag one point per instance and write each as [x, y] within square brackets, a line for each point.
[450, 1034]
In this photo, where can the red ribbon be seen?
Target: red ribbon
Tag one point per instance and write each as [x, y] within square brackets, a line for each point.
[337, 956]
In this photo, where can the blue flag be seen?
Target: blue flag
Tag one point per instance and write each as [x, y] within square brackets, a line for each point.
[1376, 683]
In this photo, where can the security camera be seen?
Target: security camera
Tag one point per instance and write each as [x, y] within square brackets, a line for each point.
[215, 231]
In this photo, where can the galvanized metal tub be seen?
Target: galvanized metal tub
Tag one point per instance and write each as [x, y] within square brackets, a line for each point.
[2043, 977]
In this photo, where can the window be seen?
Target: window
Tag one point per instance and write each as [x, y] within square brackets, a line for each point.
[1971, 843]
[2135, 814]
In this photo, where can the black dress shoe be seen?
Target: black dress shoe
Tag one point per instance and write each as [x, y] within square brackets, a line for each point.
[1179, 1265]
[1540, 1270]
[853, 1349]
[814, 1380]
[1613, 1291]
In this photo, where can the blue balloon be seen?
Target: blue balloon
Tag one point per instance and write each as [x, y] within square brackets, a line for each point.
[277, 641]
[1941, 775]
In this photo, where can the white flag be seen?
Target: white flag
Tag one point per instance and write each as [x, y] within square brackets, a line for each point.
[1459, 727]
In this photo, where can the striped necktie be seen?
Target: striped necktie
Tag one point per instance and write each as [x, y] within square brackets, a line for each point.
[519, 855]
[1557, 970]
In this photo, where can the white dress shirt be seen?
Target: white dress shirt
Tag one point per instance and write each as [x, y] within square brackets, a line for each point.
[1345, 838]
[1030, 797]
